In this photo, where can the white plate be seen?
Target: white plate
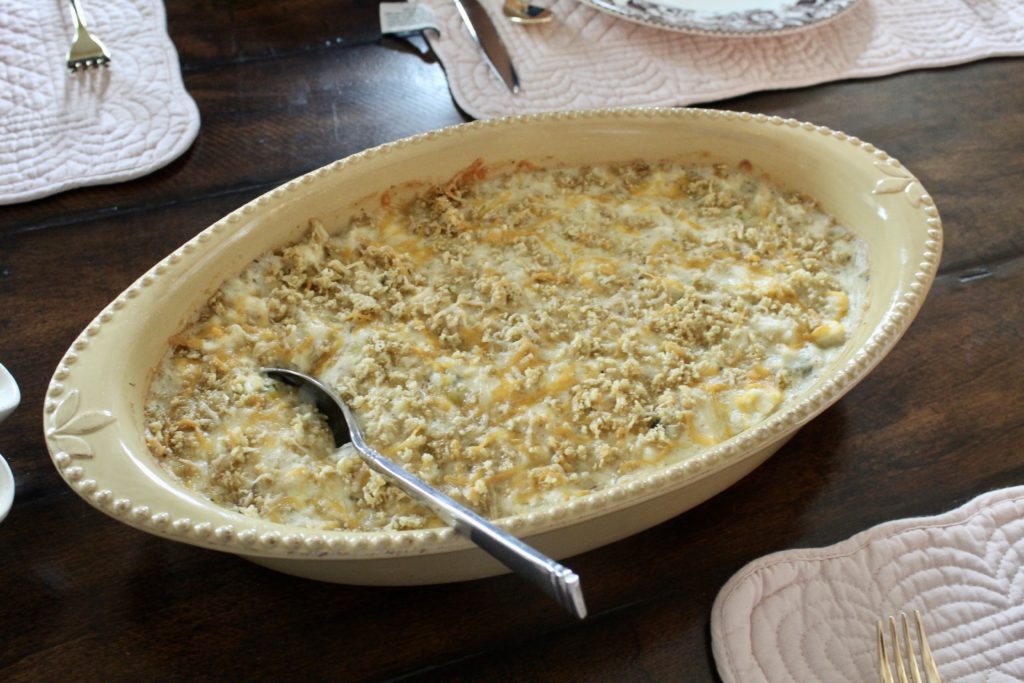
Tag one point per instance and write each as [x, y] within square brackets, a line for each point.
[726, 17]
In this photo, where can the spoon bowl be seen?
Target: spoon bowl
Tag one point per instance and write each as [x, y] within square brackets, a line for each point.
[520, 12]
[557, 581]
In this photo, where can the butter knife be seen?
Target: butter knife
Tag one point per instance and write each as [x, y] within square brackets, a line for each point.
[485, 35]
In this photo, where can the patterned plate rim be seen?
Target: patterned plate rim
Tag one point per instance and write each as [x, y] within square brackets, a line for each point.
[795, 16]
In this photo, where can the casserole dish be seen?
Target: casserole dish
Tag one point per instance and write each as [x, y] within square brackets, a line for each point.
[95, 428]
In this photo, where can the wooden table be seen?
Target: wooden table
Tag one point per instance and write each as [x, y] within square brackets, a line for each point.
[285, 87]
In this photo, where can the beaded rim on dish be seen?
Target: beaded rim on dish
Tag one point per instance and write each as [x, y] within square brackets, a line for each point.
[67, 429]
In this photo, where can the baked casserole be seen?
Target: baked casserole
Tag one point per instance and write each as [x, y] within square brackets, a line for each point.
[517, 337]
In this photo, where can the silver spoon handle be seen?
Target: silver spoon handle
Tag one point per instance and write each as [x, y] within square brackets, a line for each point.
[558, 581]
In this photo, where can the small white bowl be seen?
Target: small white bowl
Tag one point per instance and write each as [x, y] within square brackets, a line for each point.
[10, 397]
[6, 488]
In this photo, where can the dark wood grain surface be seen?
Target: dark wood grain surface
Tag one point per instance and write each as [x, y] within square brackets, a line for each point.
[284, 87]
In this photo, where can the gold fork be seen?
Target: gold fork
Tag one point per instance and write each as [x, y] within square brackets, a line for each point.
[931, 672]
[85, 51]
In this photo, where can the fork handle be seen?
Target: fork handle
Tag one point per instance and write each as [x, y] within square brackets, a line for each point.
[77, 14]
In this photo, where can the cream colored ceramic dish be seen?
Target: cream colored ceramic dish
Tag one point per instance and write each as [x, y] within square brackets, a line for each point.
[93, 411]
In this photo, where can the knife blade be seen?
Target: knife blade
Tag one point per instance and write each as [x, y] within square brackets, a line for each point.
[485, 35]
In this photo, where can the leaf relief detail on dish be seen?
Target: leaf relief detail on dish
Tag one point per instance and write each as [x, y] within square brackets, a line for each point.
[68, 426]
[763, 20]
[899, 181]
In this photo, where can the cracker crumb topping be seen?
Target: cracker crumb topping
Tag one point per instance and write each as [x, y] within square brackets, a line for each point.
[515, 337]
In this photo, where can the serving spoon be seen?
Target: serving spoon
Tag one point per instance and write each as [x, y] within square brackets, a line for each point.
[558, 581]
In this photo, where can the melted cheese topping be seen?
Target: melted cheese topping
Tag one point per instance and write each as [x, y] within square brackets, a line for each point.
[514, 338]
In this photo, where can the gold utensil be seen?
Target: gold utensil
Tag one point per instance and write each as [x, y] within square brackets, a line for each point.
[885, 667]
[520, 12]
[85, 51]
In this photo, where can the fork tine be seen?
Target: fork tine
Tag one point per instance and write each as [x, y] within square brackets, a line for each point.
[914, 672]
[931, 671]
[884, 670]
[901, 671]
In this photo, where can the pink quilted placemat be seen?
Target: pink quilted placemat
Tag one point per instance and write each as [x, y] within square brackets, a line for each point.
[809, 615]
[589, 59]
[60, 130]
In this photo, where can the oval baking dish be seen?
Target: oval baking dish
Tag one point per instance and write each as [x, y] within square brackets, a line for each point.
[94, 427]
